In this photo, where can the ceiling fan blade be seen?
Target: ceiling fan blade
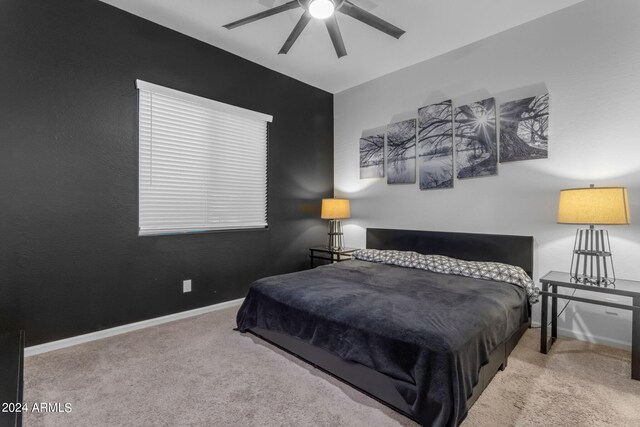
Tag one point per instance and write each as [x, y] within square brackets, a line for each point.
[362, 15]
[273, 11]
[297, 30]
[336, 37]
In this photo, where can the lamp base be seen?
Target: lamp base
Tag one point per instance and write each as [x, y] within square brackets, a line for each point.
[591, 263]
[335, 239]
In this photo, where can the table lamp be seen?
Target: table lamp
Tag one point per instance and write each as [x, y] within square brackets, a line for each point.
[591, 262]
[334, 210]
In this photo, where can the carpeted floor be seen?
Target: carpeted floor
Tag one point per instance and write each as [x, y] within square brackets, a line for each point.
[199, 372]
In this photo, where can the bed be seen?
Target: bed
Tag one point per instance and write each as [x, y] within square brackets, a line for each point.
[424, 343]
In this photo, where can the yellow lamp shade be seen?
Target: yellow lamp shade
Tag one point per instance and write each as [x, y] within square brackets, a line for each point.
[594, 206]
[335, 209]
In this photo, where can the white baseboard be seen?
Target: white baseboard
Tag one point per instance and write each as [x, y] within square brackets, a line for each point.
[596, 339]
[81, 339]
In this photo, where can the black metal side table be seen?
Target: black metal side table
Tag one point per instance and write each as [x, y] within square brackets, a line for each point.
[11, 377]
[327, 254]
[556, 279]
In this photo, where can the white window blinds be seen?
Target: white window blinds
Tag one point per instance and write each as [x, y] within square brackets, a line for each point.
[202, 163]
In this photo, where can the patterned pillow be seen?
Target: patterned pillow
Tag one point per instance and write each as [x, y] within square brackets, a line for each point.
[442, 264]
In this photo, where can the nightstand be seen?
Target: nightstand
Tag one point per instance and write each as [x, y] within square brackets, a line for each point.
[327, 254]
[11, 377]
[555, 280]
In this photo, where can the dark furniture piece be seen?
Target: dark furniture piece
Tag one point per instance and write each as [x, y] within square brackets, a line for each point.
[11, 376]
[555, 280]
[515, 250]
[327, 254]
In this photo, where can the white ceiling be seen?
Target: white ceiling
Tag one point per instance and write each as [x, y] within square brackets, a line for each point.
[433, 27]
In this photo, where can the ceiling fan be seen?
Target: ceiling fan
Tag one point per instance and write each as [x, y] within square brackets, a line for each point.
[322, 9]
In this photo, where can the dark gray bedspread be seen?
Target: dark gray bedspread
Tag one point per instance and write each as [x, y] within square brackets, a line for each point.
[429, 332]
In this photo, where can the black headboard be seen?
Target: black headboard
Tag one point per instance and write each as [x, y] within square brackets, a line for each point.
[514, 250]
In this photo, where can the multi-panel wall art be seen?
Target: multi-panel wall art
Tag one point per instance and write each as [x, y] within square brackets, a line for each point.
[372, 156]
[435, 146]
[476, 144]
[467, 134]
[401, 152]
[524, 126]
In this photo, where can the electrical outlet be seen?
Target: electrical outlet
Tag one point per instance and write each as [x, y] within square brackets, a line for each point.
[186, 286]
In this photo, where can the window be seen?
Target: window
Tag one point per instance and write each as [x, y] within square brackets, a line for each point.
[202, 163]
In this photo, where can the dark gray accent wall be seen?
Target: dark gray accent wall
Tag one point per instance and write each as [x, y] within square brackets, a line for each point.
[71, 261]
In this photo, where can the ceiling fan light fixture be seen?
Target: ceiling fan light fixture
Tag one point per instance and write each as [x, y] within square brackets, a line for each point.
[321, 9]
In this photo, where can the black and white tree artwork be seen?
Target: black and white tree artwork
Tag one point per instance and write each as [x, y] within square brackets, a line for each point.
[401, 152]
[524, 127]
[435, 146]
[476, 145]
[372, 156]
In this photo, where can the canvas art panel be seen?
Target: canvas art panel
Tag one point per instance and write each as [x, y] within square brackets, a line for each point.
[524, 127]
[372, 156]
[401, 152]
[475, 136]
[435, 146]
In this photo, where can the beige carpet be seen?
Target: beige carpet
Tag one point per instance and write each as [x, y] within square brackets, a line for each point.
[198, 372]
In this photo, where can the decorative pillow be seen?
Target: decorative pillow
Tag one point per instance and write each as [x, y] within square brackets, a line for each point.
[495, 271]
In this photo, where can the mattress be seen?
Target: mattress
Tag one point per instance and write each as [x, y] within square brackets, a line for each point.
[430, 333]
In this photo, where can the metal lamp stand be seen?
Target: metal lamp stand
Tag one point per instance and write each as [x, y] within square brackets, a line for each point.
[591, 263]
[336, 237]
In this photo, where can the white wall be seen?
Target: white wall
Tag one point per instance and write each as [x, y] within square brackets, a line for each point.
[588, 58]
